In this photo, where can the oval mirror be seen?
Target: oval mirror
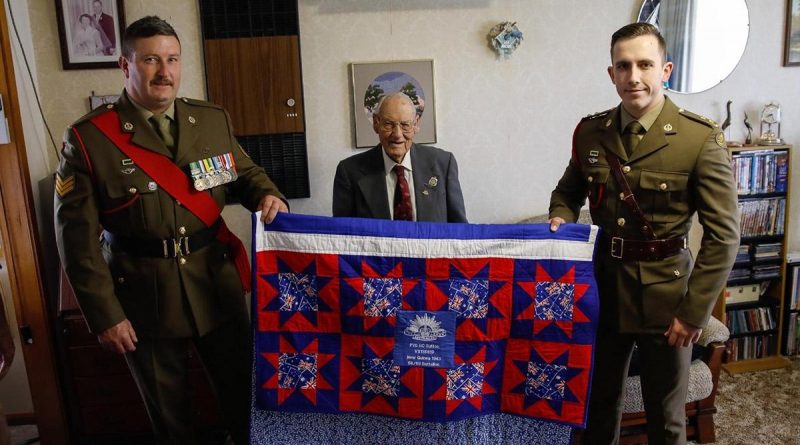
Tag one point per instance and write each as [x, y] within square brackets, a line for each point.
[705, 39]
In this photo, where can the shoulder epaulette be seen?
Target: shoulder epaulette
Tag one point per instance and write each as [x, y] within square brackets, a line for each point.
[199, 103]
[598, 114]
[698, 118]
[96, 112]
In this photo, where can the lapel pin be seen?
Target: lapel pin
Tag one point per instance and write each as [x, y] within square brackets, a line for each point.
[668, 127]
[152, 186]
[127, 162]
[594, 153]
[192, 120]
[110, 106]
[127, 126]
[433, 181]
[127, 171]
[608, 123]
[592, 160]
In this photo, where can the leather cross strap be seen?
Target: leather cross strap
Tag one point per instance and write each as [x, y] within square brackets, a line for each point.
[174, 182]
[628, 198]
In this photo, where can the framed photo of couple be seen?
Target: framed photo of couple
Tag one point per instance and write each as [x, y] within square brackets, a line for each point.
[90, 32]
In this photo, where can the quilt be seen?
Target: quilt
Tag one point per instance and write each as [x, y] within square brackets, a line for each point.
[420, 329]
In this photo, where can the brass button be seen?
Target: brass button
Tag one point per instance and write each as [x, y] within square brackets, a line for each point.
[622, 195]
[626, 169]
[182, 260]
[589, 179]
[182, 230]
[677, 272]
[652, 250]
[178, 203]
[132, 190]
[621, 222]
[121, 280]
[645, 229]
[662, 186]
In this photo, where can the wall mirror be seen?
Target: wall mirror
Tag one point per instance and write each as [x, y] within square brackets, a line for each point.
[705, 39]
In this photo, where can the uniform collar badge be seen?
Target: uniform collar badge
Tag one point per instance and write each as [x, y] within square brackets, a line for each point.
[127, 126]
[594, 153]
[127, 171]
[192, 120]
[668, 127]
[127, 162]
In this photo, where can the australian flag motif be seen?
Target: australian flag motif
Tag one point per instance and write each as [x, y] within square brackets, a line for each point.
[423, 321]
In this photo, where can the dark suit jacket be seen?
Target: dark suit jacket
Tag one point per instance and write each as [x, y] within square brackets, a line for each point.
[359, 188]
[161, 297]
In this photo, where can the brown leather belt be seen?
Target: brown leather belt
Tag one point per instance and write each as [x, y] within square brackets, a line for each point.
[641, 250]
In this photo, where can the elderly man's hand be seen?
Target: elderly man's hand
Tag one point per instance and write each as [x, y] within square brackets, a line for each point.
[269, 206]
[120, 338]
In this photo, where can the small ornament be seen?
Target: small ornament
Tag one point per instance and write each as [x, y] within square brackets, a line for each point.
[433, 181]
[504, 38]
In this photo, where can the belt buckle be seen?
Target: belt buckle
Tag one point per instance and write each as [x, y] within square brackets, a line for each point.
[176, 247]
[617, 244]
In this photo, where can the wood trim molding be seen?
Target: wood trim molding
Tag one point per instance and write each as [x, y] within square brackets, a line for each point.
[20, 243]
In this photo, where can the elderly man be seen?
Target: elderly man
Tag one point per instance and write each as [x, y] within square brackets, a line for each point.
[152, 173]
[381, 182]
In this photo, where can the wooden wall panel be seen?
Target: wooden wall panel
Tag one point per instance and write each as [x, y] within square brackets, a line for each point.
[254, 78]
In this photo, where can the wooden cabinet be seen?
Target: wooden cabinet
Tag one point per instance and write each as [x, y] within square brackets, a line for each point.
[104, 405]
[258, 80]
[752, 304]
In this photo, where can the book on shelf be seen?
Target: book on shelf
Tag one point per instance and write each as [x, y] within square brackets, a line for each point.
[793, 334]
[745, 321]
[752, 347]
[767, 251]
[760, 171]
[743, 254]
[761, 217]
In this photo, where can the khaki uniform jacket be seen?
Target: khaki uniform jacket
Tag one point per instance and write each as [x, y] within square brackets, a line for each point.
[97, 188]
[680, 167]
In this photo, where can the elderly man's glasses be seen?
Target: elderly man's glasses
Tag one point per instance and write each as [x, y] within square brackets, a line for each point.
[405, 126]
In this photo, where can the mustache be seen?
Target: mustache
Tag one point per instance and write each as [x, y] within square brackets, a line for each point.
[161, 81]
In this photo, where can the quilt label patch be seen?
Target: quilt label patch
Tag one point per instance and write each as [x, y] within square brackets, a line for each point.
[425, 339]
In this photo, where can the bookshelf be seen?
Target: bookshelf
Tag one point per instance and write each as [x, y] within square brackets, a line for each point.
[753, 302]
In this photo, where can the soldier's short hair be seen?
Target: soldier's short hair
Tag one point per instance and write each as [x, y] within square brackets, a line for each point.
[145, 27]
[637, 30]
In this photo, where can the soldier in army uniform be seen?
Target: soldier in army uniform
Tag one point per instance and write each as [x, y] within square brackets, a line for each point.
[643, 193]
[165, 273]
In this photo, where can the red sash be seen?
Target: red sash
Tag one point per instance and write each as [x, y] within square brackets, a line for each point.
[174, 181]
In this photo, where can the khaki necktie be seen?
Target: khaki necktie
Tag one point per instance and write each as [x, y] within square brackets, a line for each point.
[162, 126]
[630, 137]
[402, 196]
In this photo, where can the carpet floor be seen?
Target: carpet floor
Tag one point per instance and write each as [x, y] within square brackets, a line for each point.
[757, 408]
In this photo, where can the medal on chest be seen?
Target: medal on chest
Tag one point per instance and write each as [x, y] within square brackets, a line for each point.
[211, 172]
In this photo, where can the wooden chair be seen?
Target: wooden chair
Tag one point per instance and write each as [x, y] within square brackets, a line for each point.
[700, 405]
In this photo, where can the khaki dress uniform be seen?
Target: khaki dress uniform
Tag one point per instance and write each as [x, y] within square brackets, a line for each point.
[679, 167]
[170, 302]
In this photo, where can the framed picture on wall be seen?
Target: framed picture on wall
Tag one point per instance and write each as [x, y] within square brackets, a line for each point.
[791, 55]
[373, 80]
[90, 32]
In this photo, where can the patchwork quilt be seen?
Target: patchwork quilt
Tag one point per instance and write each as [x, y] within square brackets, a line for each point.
[399, 332]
